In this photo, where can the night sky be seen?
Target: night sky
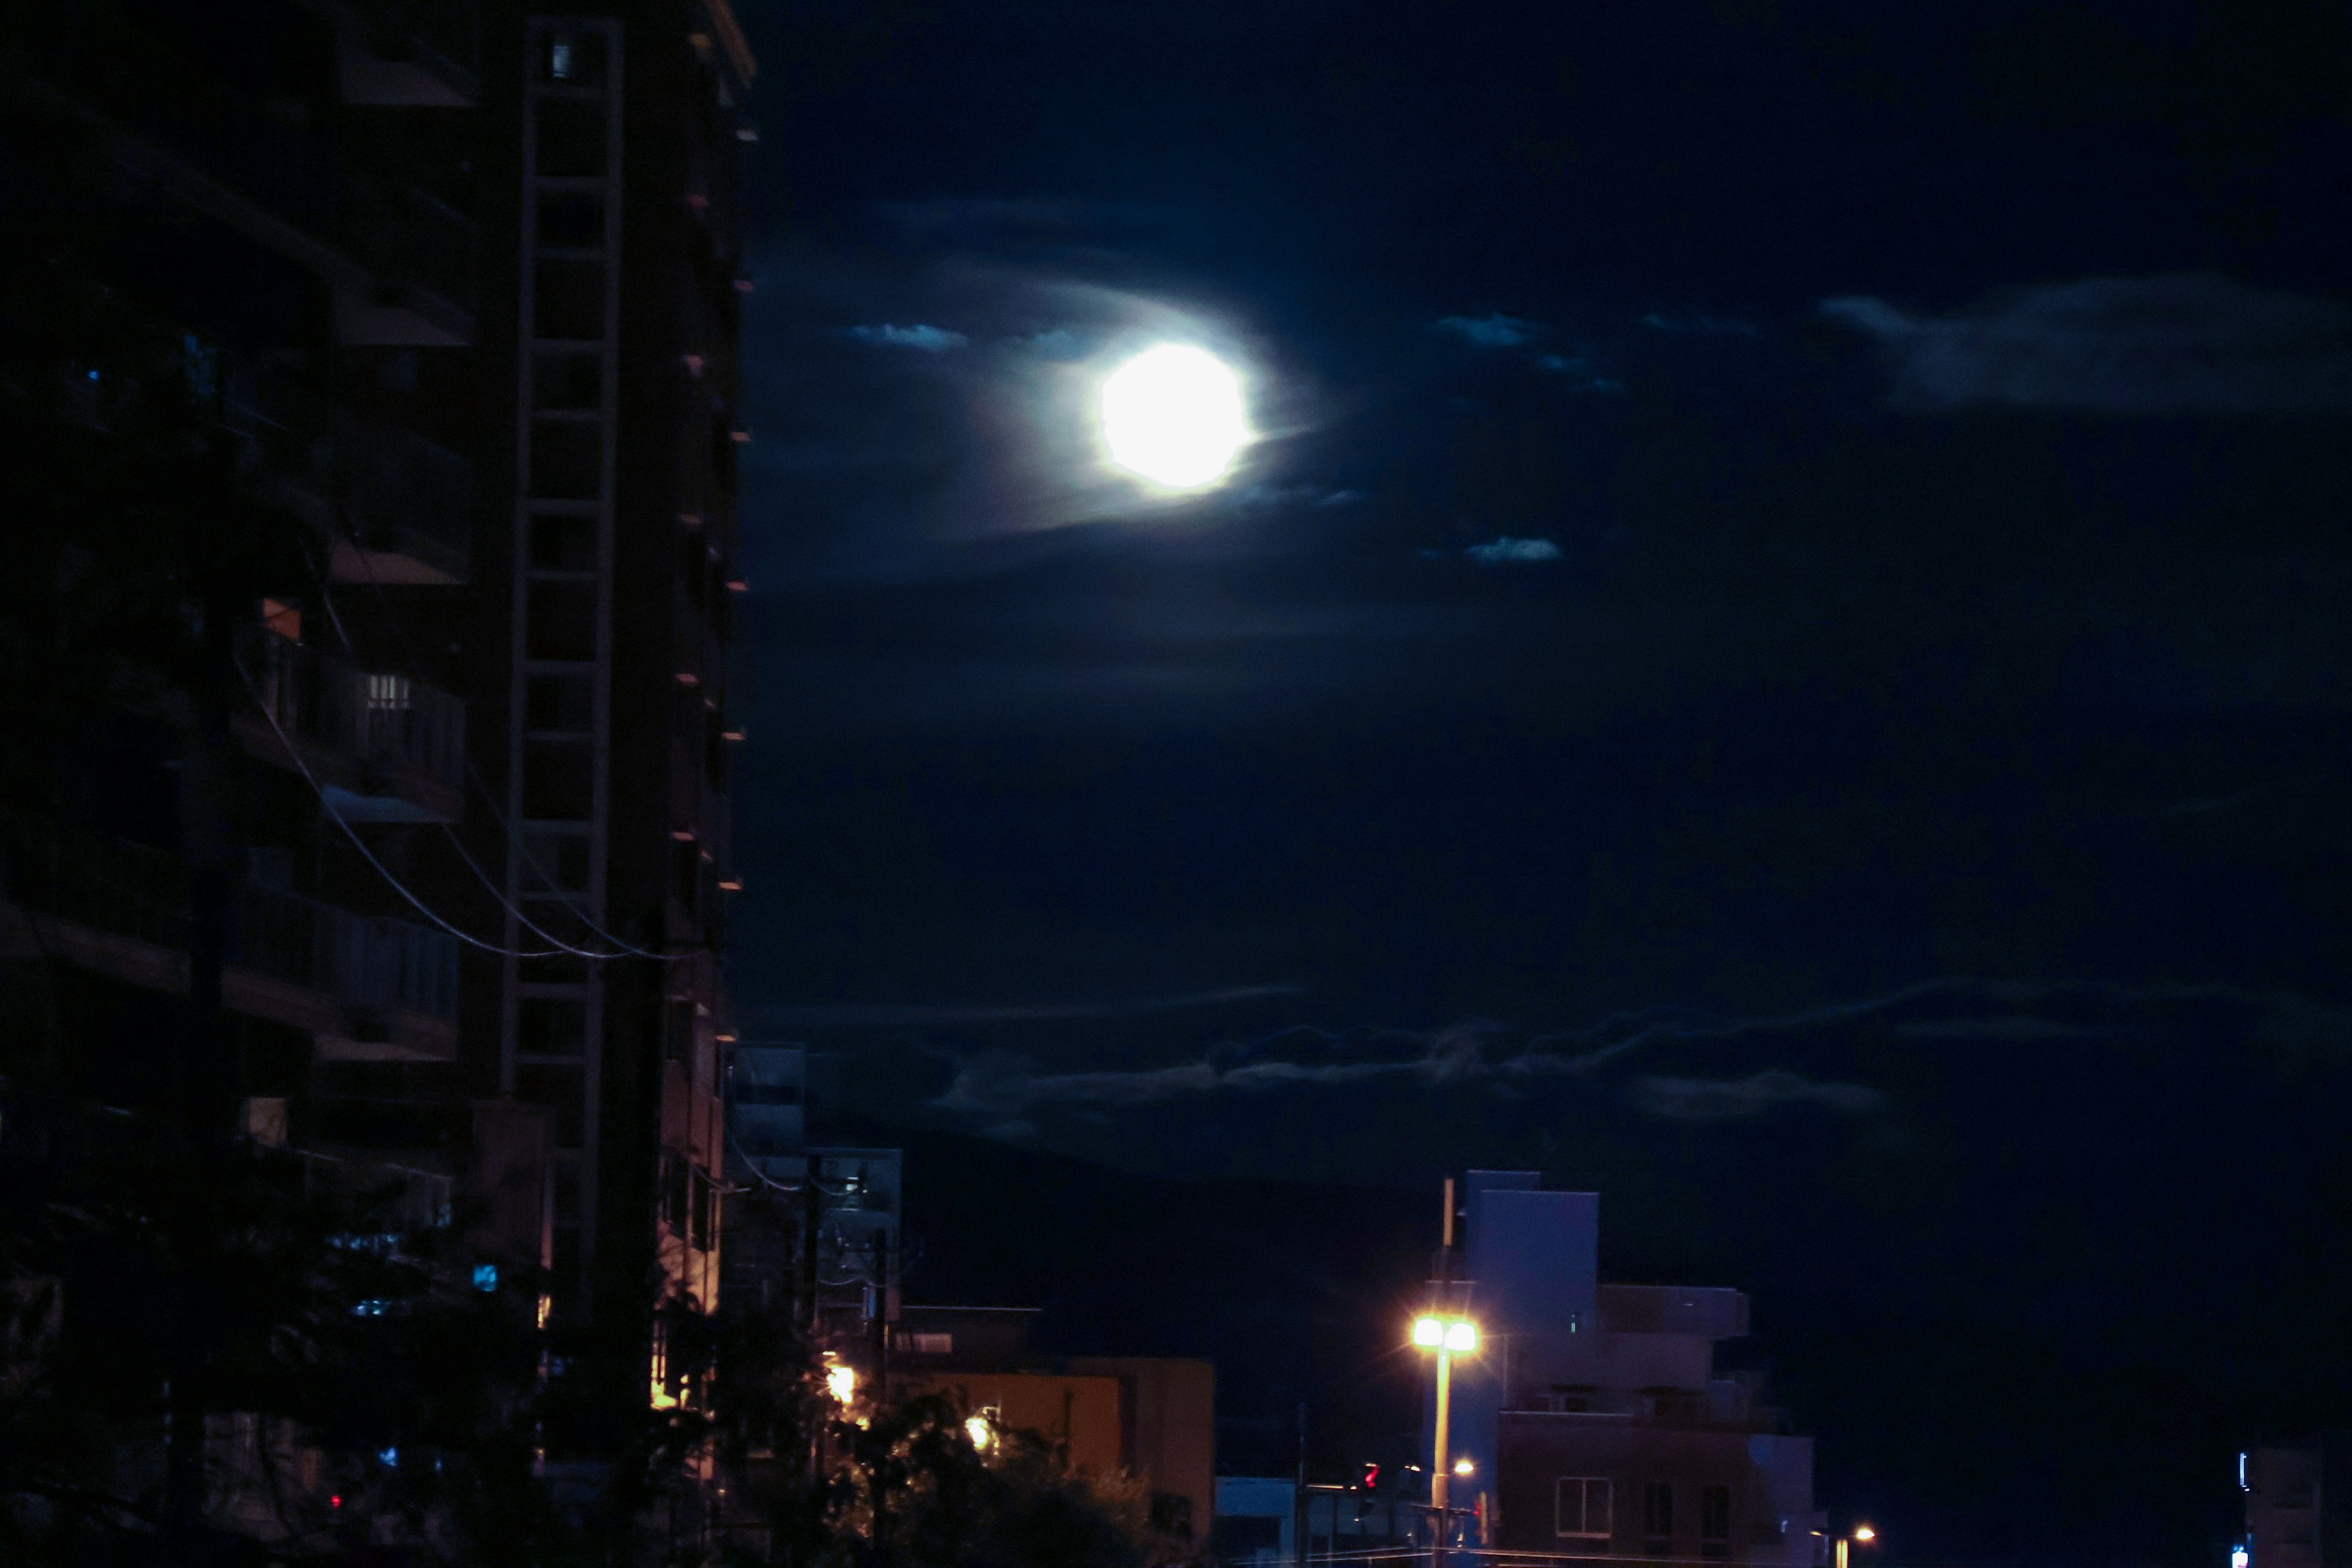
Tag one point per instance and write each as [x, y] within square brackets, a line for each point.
[1784, 654]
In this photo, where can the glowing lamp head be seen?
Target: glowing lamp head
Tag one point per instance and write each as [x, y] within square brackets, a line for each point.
[1457, 1335]
[1864, 1534]
[1174, 415]
[841, 1382]
[982, 1435]
[1466, 1467]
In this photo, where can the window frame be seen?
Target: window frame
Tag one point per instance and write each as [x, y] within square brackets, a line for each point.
[1584, 1531]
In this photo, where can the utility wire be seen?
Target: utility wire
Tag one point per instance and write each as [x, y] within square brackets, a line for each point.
[368, 854]
[622, 949]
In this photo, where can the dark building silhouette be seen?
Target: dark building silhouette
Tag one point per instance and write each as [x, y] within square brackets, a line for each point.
[462, 280]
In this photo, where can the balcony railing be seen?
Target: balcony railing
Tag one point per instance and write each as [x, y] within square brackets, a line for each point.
[390, 722]
[366, 963]
[314, 205]
[403, 493]
[408, 51]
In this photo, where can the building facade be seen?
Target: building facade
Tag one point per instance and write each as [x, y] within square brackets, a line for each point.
[1592, 1422]
[2296, 1512]
[464, 280]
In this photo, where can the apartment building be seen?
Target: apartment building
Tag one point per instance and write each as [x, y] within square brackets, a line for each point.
[462, 281]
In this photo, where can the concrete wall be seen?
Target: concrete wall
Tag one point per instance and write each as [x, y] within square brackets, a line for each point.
[1081, 1412]
[1769, 1479]
[1170, 1417]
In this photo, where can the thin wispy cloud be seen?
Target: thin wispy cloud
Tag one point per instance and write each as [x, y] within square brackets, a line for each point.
[1698, 326]
[1491, 332]
[1727, 1099]
[1583, 373]
[883, 1015]
[2182, 345]
[1509, 552]
[922, 337]
[995, 1090]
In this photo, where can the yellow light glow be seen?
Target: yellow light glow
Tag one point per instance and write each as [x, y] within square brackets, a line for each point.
[1864, 1533]
[1174, 415]
[1428, 1332]
[1461, 1337]
[841, 1382]
[982, 1435]
[1464, 1467]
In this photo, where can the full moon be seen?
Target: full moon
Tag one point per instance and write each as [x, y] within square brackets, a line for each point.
[1174, 415]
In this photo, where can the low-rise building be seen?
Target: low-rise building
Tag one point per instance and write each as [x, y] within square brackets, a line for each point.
[1593, 1421]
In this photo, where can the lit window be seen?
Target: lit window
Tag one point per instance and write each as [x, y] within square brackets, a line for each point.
[486, 1276]
[559, 60]
[390, 694]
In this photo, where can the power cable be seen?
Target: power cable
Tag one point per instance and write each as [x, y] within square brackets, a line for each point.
[368, 854]
[408, 652]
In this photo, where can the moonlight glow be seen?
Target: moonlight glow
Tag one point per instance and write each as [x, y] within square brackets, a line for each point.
[1174, 415]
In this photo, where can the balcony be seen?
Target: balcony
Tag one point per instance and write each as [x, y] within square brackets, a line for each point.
[397, 262]
[370, 987]
[403, 505]
[415, 54]
[386, 748]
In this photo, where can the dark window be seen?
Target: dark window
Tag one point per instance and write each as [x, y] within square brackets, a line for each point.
[573, 219]
[1715, 1521]
[568, 299]
[1581, 1506]
[562, 622]
[571, 137]
[1658, 1518]
[767, 1094]
[568, 383]
[677, 1029]
[563, 543]
[703, 1205]
[549, 1027]
[559, 702]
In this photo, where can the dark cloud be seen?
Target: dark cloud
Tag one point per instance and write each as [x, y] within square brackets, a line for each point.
[2178, 345]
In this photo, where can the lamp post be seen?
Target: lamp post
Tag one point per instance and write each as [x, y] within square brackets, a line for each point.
[1861, 1533]
[1449, 1337]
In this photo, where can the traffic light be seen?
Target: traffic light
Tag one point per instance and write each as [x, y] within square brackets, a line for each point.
[1371, 1476]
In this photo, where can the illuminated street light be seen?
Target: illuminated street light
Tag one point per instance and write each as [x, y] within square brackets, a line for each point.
[982, 1435]
[1449, 1337]
[841, 1382]
[1861, 1534]
[1466, 1467]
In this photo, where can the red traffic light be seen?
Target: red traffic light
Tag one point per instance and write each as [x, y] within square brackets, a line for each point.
[1372, 1477]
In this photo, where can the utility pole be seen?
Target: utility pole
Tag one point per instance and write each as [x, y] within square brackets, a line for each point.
[1298, 1520]
[1441, 1458]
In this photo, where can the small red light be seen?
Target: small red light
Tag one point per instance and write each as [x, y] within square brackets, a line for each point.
[336, 1501]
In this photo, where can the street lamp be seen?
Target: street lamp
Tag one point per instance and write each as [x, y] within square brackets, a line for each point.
[1449, 1337]
[1862, 1535]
